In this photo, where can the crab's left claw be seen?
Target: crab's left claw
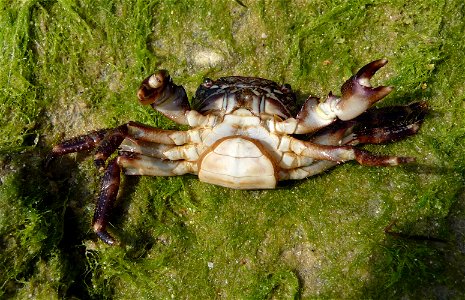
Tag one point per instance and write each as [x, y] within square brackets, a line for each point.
[358, 94]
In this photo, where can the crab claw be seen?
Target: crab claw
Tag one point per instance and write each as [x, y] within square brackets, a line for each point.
[152, 87]
[162, 94]
[358, 94]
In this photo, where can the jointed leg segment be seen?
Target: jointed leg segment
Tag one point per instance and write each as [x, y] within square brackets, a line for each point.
[376, 126]
[107, 141]
[77, 144]
[108, 192]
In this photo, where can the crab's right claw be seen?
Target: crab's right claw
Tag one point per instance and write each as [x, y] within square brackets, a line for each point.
[162, 94]
[358, 94]
[152, 87]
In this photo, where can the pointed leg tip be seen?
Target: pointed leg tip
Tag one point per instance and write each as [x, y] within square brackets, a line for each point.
[366, 158]
[48, 160]
[99, 164]
[106, 237]
[103, 234]
[382, 61]
[400, 160]
[406, 160]
[422, 105]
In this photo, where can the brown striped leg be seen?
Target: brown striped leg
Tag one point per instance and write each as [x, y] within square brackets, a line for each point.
[306, 171]
[336, 154]
[137, 132]
[366, 158]
[377, 125]
[132, 164]
[107, 141]
[107, 197]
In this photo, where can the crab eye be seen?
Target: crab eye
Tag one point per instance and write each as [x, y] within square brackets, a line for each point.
[207, 82]
[286, 88]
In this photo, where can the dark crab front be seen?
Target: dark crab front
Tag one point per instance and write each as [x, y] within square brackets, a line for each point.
[243, 134]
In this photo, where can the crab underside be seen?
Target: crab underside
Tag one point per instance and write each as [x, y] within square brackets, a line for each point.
[244, 134]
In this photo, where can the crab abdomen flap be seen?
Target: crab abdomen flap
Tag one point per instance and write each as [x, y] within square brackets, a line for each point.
[238, 162]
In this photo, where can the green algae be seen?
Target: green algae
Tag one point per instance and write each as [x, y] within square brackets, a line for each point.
[74, 66]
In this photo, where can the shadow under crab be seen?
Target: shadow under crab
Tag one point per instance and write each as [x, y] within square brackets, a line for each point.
[243, 134]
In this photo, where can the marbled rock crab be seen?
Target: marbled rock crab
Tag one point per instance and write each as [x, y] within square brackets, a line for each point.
[244, 135]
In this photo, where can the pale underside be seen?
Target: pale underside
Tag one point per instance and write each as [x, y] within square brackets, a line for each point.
[241, 151]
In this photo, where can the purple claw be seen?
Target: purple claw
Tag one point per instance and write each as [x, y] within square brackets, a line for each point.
[358, 94]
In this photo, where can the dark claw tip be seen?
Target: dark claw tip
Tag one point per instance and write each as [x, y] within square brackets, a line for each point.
[367, 71]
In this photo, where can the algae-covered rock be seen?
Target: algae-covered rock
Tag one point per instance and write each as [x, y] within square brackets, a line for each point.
[69, 67]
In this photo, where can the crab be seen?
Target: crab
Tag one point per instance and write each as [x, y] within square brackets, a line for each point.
[244, 134]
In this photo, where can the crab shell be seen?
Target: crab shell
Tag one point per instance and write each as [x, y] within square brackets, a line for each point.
[237, 159]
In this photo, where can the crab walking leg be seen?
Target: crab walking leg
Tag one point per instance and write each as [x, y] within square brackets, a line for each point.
[146, 148]
[376, 126]
[373, 127]
[106, 141]
[322, 157]
[357, 96]
[388, 124]
[329, 156]
[137, 164]
[374, 136]
[77, 144]
[132, 164]
[307, 171]
[108, 192]
[341, 153]
[143, 132]
[381, 135]
[109, 145]
[188, 152]
[136, 131]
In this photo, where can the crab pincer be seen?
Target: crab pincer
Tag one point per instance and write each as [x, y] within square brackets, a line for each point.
[358, 94]
[162, 94]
